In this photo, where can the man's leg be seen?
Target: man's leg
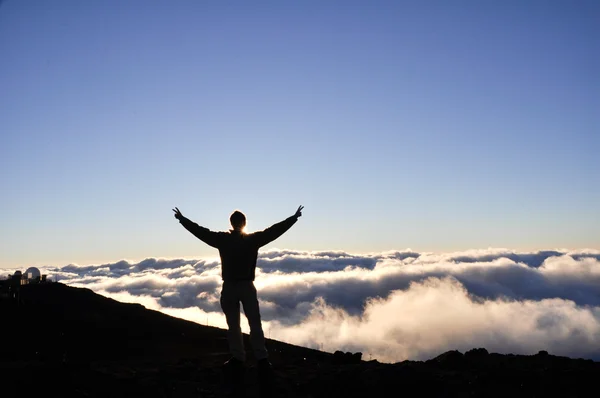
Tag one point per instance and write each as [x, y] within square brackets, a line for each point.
[230, 305]
[265, 372]
[249, 300]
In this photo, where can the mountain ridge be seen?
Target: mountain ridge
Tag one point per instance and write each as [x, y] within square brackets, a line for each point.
[75, 342]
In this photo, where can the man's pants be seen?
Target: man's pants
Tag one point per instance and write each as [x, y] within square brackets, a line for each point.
[232, 294]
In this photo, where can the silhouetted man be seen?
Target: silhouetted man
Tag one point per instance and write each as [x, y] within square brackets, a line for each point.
[239, 252]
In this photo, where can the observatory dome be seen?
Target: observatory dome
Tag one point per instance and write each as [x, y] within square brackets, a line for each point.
[33, 272]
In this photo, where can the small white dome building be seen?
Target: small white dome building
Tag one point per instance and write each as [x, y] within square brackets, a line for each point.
[32, 273]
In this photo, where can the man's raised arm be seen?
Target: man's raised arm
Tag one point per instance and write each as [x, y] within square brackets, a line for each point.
[204, 234]
[276, 230]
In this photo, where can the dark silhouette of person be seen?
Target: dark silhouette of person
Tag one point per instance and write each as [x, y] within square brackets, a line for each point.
[239, 251]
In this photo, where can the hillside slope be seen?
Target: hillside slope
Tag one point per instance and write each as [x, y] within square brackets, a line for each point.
[74, 342]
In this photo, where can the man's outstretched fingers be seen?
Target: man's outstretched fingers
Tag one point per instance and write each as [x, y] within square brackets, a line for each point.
[177, 213]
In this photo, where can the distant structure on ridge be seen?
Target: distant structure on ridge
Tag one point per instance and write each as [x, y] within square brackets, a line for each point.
[10, 288]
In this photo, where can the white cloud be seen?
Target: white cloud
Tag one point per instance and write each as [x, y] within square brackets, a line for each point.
[393, 305]
[436, 315]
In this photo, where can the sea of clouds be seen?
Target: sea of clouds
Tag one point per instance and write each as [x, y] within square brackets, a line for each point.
[390, 306]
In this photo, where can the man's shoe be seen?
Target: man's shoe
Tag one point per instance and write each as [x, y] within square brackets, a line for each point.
[233, 371]
[233, 363]
[265, 378]
[264, 364]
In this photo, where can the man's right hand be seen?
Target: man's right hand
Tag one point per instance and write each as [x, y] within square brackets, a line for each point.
[178, 214]
[299, 211]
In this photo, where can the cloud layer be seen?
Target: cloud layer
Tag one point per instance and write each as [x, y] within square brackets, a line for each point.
[391, 306]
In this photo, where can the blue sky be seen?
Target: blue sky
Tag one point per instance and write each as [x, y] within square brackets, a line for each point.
[427, 125]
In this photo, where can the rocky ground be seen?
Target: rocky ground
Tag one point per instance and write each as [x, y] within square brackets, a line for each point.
[71, 342]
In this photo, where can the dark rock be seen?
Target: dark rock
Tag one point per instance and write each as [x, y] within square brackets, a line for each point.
[339, 357]
[449, 359]
[476, 354]
[346, 358]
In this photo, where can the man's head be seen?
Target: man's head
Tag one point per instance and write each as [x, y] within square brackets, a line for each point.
[238, 220]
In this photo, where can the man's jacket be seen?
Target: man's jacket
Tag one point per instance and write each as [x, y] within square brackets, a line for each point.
[238, 251]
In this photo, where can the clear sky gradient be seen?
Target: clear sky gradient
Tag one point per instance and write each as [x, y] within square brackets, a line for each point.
[431, 125]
